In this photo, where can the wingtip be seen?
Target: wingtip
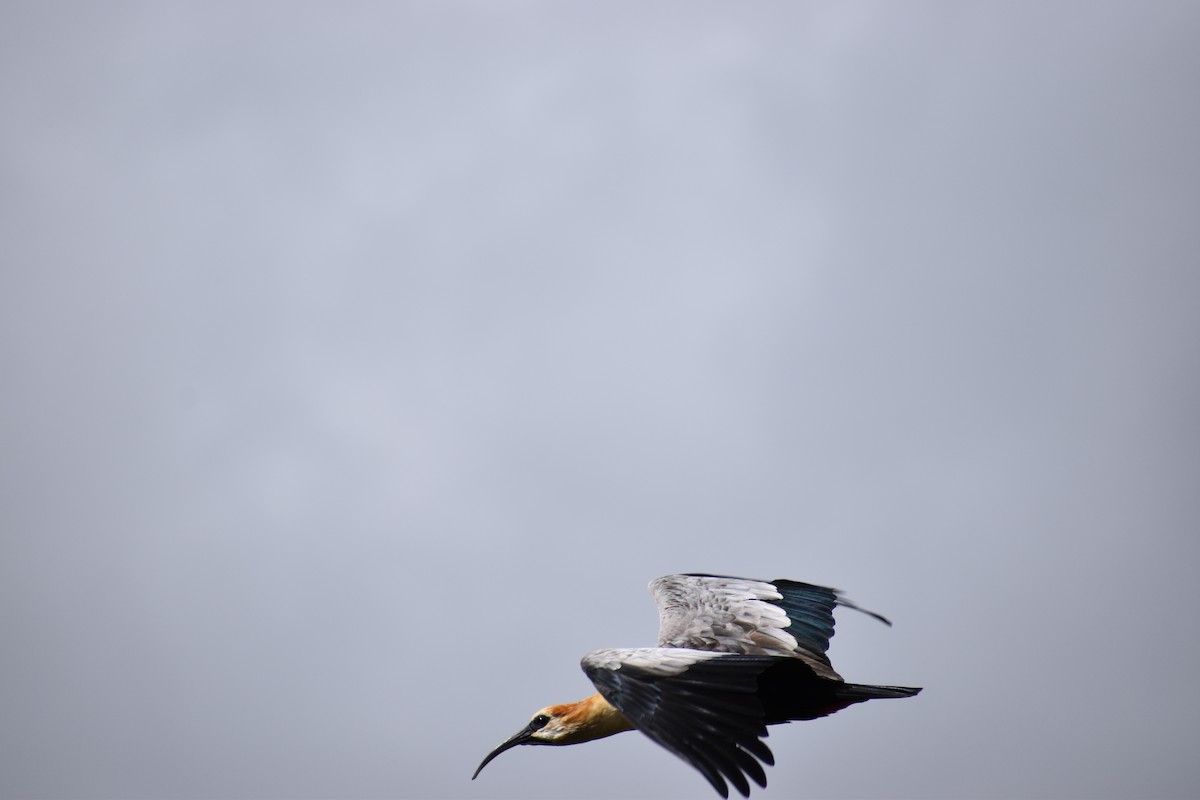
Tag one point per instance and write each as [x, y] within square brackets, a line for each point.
[851, 604]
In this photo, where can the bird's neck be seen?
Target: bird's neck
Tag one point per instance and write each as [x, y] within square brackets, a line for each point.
[591, 718]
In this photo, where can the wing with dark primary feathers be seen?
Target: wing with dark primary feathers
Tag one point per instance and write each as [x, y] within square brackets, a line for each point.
[712, 709]
[699, 705]
[750, 617]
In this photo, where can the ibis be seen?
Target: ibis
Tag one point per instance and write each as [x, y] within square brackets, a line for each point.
[734, 655]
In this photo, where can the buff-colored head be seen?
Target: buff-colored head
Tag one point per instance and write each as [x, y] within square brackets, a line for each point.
[569, 723]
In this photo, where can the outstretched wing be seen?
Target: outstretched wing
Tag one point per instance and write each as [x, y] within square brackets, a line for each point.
[712, 709]
[749, 617]
[699, 704]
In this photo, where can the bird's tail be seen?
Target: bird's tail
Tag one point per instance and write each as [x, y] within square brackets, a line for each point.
[841, 695]
[820, 698]
[789, 691]
[858, 692]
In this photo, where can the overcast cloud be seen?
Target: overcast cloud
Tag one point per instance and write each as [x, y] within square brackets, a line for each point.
[362, 362]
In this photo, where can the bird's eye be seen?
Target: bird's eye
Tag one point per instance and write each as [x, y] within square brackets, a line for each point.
[538, 722]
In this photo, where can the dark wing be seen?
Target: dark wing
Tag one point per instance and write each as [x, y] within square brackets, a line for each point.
[700, 705]
[810, 609]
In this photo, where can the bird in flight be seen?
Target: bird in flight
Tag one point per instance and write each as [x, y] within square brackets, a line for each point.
[734, 655]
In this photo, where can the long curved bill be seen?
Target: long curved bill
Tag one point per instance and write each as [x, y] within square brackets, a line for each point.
[520, 737]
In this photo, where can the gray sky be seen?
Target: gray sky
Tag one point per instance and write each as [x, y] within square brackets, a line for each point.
[362, 363]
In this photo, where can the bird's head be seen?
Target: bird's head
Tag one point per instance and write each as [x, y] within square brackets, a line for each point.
[553, 725]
